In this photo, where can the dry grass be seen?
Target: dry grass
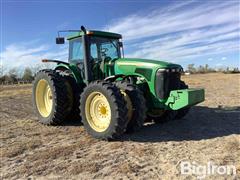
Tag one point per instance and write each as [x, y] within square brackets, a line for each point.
[233, 145]
[128, 168]
[91, 167]
[18, 148]
[16, 90]
[53, 153]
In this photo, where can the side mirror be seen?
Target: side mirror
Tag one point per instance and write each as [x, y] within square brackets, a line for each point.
[83, 29]
[60, 40]
[120, 44]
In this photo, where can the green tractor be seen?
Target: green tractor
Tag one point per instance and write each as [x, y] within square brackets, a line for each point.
[110, 94]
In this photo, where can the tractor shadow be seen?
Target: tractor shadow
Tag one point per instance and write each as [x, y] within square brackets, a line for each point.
[72, 122]
[200, 123]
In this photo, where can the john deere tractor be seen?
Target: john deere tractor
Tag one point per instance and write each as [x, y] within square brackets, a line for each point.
[110, 94]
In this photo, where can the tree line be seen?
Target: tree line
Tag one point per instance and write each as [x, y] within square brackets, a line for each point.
[13, 77]
[19, 75]
[206, 69]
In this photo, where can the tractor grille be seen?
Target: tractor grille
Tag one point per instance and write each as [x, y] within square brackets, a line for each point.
[166, 81]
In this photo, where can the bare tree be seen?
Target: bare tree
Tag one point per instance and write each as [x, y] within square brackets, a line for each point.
[27, 75]
[206, 68]
[41, 66]
[191, 68]
[13, 75]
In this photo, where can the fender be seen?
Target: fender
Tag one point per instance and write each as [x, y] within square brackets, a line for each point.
[74, 70]
[67, 66]
[114, 77]
[55, 61]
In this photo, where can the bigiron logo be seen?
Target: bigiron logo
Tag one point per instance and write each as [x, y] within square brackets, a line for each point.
[202, 171]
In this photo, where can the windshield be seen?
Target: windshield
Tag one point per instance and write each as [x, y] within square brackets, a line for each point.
[104, 48]
[100, 49]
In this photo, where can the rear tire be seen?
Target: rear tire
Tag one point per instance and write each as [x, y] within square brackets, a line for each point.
[50, 97]
[137, 107]
[103, 110]
[75, 91]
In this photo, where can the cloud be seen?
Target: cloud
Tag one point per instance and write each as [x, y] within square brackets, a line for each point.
[28, 54]
[183, 31]
[219, 64]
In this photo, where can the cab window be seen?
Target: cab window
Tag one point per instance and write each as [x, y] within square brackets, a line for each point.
[93, 51]
[108, 49]
[102, 48]
[76, 50]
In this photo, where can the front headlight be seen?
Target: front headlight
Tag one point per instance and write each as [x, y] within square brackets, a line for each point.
[171, 70]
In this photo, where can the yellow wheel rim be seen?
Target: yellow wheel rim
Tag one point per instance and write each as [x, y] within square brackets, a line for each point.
[43, 98]
[98, 111]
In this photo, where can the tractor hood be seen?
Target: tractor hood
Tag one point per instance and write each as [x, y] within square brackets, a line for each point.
[143, 67]
[145, 63]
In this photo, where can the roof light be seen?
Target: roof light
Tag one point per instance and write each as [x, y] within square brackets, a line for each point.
[44, 60]
[161, 70]
[89, 32]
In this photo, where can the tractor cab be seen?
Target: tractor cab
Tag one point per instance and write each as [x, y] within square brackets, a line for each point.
[91, 51]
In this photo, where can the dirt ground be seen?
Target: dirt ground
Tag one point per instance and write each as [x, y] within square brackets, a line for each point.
[210, 132]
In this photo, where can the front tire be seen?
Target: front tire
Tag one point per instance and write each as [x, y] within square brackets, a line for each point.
[103, 110]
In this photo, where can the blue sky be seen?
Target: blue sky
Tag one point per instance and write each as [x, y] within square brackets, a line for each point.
[184, 32]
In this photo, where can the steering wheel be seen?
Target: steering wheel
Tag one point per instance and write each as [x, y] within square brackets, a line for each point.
[107, 58]
[103, 50]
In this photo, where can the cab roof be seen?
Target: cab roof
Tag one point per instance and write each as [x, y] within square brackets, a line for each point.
[94, 33]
